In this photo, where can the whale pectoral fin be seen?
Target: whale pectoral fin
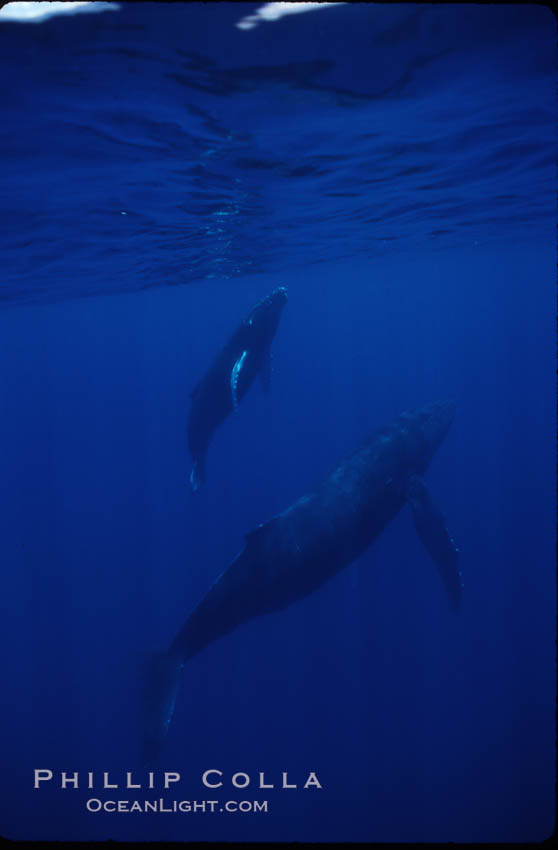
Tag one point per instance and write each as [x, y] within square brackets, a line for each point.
[197, 475]
[265, 371]
[432, 531]
[160, 688]
[235, 375]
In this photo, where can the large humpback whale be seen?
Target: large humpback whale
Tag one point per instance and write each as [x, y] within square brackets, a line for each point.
[287, 558]
[230, 375]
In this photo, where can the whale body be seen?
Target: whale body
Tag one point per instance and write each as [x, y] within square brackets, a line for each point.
[226, 382]
[291, 555]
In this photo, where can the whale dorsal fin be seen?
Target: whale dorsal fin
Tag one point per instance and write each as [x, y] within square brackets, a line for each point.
[235, 374]
[254, 537]
[432, 531]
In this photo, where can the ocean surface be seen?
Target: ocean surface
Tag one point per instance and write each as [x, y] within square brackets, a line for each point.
[394, 167]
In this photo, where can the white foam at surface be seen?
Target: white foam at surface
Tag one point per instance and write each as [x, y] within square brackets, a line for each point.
[275, 11]
[35, 12]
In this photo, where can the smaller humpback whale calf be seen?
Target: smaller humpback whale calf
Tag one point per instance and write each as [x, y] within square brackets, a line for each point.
[287, 558]
[231, 374]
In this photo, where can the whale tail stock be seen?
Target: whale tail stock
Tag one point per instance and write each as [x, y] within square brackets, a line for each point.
[160, 687]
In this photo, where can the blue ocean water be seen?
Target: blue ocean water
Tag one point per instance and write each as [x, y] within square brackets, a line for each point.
[395, 168]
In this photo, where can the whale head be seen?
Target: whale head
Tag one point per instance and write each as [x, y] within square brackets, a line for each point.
[435, 421]
[267, 312]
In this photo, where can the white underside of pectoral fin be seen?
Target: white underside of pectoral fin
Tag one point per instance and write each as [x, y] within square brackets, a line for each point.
[235, 375]
[194, 480]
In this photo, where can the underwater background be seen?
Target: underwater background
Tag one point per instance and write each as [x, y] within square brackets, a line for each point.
[394, 166]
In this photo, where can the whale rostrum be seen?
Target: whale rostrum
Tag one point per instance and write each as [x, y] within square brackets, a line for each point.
[291, 555]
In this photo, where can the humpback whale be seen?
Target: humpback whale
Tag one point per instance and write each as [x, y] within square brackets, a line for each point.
[288, 557]
[229, 377]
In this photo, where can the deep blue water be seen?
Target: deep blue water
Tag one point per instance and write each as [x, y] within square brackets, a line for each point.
[394, 168]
